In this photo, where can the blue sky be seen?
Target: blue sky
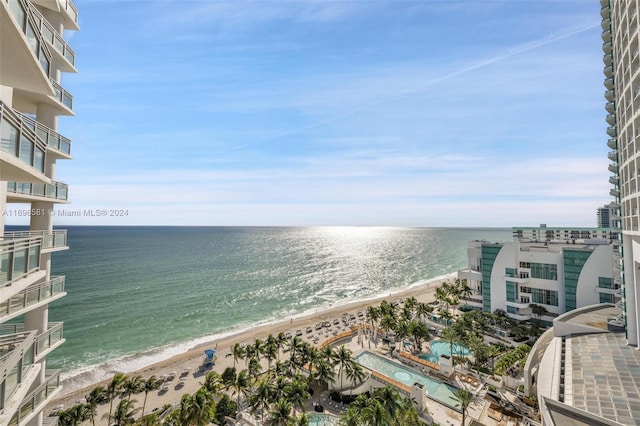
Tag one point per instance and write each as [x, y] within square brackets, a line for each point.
[401, 113]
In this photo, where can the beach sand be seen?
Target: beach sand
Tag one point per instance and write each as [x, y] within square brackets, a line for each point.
[192, 359]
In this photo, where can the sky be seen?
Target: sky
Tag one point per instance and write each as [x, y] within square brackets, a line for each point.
[383, 113]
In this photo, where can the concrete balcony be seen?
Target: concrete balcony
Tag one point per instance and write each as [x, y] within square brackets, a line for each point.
[22, 153]
[18, 370]
[614, 180]
[30, 64]
[34, 296]
[71, 14]
[606, 47]
[605, 12]
[612, 143]
[32, 404]
[19, 259]
[520, 305]
[522, 278]
[611, 119]
[58, 45]
[613, 155]
[57, 144]
[55, 240]
[610, 107]
[55, 192]
[611, 131]
[613, 168]
[606, 24]
[607, 59]
[610, 95]
[606, 35]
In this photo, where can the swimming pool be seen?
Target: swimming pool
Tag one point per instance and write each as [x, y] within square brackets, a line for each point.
[436, 390]
[440, 347]
[322, 420]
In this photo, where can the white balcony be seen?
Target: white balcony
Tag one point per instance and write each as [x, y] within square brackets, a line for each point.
[45, 342]
[611, 131]
[613, 155]
[610, 95]
[612, 143]
[57, 145]
[611, 119]
[521, 279]
[606, 35]
[71, 14]
[606, 24]
[55, 240]
[611, 107]
[32, 404]
[613, 168]
[55, 192]
[22, 153]
[520, 305]
[606, 47]
[30, 63]
[58, 45]
[605, 12]
[19, 260]
[608, 59]
[34, 296]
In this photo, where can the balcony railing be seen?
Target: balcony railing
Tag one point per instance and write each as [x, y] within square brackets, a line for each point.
[51, 138]
[30, 28]
[18, 258]
[53, 37]
[62, 95]
[71, 9]
[54, 191]
[35, 401]
[56, 238]
[19, 140]
[43, 341]
[34, 294]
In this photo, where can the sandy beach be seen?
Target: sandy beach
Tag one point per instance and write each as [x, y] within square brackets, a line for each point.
[192, 359]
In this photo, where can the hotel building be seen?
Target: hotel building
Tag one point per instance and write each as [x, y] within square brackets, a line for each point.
[560, 269]
[33, 57]
[585, 370]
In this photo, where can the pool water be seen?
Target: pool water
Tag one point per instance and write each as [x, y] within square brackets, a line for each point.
[322, 420]
[440, 347]
[437, 390]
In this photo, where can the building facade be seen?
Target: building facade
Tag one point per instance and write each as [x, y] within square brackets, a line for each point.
[33, 58]
[605, 216]
[621, 39]
[558, 276]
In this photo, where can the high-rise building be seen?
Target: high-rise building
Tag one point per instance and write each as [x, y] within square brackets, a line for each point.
[622, 81]
[605, 215]
[33, 57]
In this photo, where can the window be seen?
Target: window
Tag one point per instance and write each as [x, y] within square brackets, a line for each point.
[9, 138]
[26, 150]
[544, 297]
[545, 271]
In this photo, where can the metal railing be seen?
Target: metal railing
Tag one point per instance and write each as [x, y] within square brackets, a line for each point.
[50, 239]
[31, 30]
[53, 37]
[22, 256]
[71, 9]
[53, 335]
[33, 402]
[24, 134]
[55, 191]
[32, 295]
[62, 95]
[50, 137]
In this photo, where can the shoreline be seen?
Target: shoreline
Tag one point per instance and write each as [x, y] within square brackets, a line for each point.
[192, 358]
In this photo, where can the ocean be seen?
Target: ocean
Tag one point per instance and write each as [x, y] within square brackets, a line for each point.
[137, 295]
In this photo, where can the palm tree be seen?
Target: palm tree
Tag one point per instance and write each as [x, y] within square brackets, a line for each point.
[201, 409]
[238, 352]
[464, 398]
[114, 387]
[303, 420]
[213, 382]
[240, 385]
[389, 399]
[132, 385]
[149, 420]
[423, 310]
[261, 396]
[254, 368]
[95, 397]
[375, 415]
[280, 415]
[450, 335]
[72, 416]
[479, 348]
[149, 385]
[401, 330]
[354, 373]
[124, 414]
[387, 322]
[374, 315]
[270, 350]
[408, 415]
[343, 358]
[297, 393]
[323, 373]
[418, 331]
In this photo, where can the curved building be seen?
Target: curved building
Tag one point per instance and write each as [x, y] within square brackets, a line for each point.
[33, 58]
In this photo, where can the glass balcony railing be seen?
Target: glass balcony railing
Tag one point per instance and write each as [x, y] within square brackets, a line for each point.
[51, 138]
[56, 238]
[19, 257]
[62, 95]
[55, 191]
[53, 37]
[34, 294]
[36, 399]
[71, 9]
[17, 139]
[50, 337]
[20, 11]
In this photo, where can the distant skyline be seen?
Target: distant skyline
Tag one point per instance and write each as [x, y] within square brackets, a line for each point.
[403, 113]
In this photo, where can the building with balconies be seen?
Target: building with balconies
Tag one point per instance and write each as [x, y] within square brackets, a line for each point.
[33, 58]
[559, 276]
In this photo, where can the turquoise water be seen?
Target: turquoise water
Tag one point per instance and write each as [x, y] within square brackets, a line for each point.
[138, 295]
[440, 347]
[322, 420]
[439, 391]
